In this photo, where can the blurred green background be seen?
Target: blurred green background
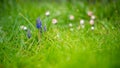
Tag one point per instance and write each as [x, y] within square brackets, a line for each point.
[59, 47]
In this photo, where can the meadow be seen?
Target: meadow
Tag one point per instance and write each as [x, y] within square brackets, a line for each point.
[65, 43]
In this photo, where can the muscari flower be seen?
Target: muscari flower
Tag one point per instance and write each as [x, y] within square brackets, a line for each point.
[28, 33]
[38, 23]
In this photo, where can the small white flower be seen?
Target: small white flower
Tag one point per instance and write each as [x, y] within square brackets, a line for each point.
[70, 25]
[82, 22]
[71, 29]
[71, 17]
[93, 17]
[92, 28]
[91, 22]
[47, 13]
[90, 13]
[54, 21]
[23, 27]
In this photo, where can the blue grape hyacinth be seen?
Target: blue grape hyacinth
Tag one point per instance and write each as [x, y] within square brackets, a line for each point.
[38, 23]
[28, 33]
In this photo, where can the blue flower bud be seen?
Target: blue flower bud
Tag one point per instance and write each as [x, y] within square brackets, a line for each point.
[38, 23]
[28, 33]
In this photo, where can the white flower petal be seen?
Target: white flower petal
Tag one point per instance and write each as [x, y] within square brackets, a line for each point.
[93, 17]
[81, 21]
[23, 27]
[92, 28]
[47, 13]
[54, 21]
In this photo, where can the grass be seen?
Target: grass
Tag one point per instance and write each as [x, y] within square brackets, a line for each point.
[82, 48]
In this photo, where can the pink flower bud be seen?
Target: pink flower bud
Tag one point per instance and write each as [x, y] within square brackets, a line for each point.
[71, 17]
[90, 13]
[91, 22]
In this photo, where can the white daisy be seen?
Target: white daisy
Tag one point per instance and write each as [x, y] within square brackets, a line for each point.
[23, 27]
[81, 22]
[54, 21]
[47, 13]
[92, 28]
[93, 17]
